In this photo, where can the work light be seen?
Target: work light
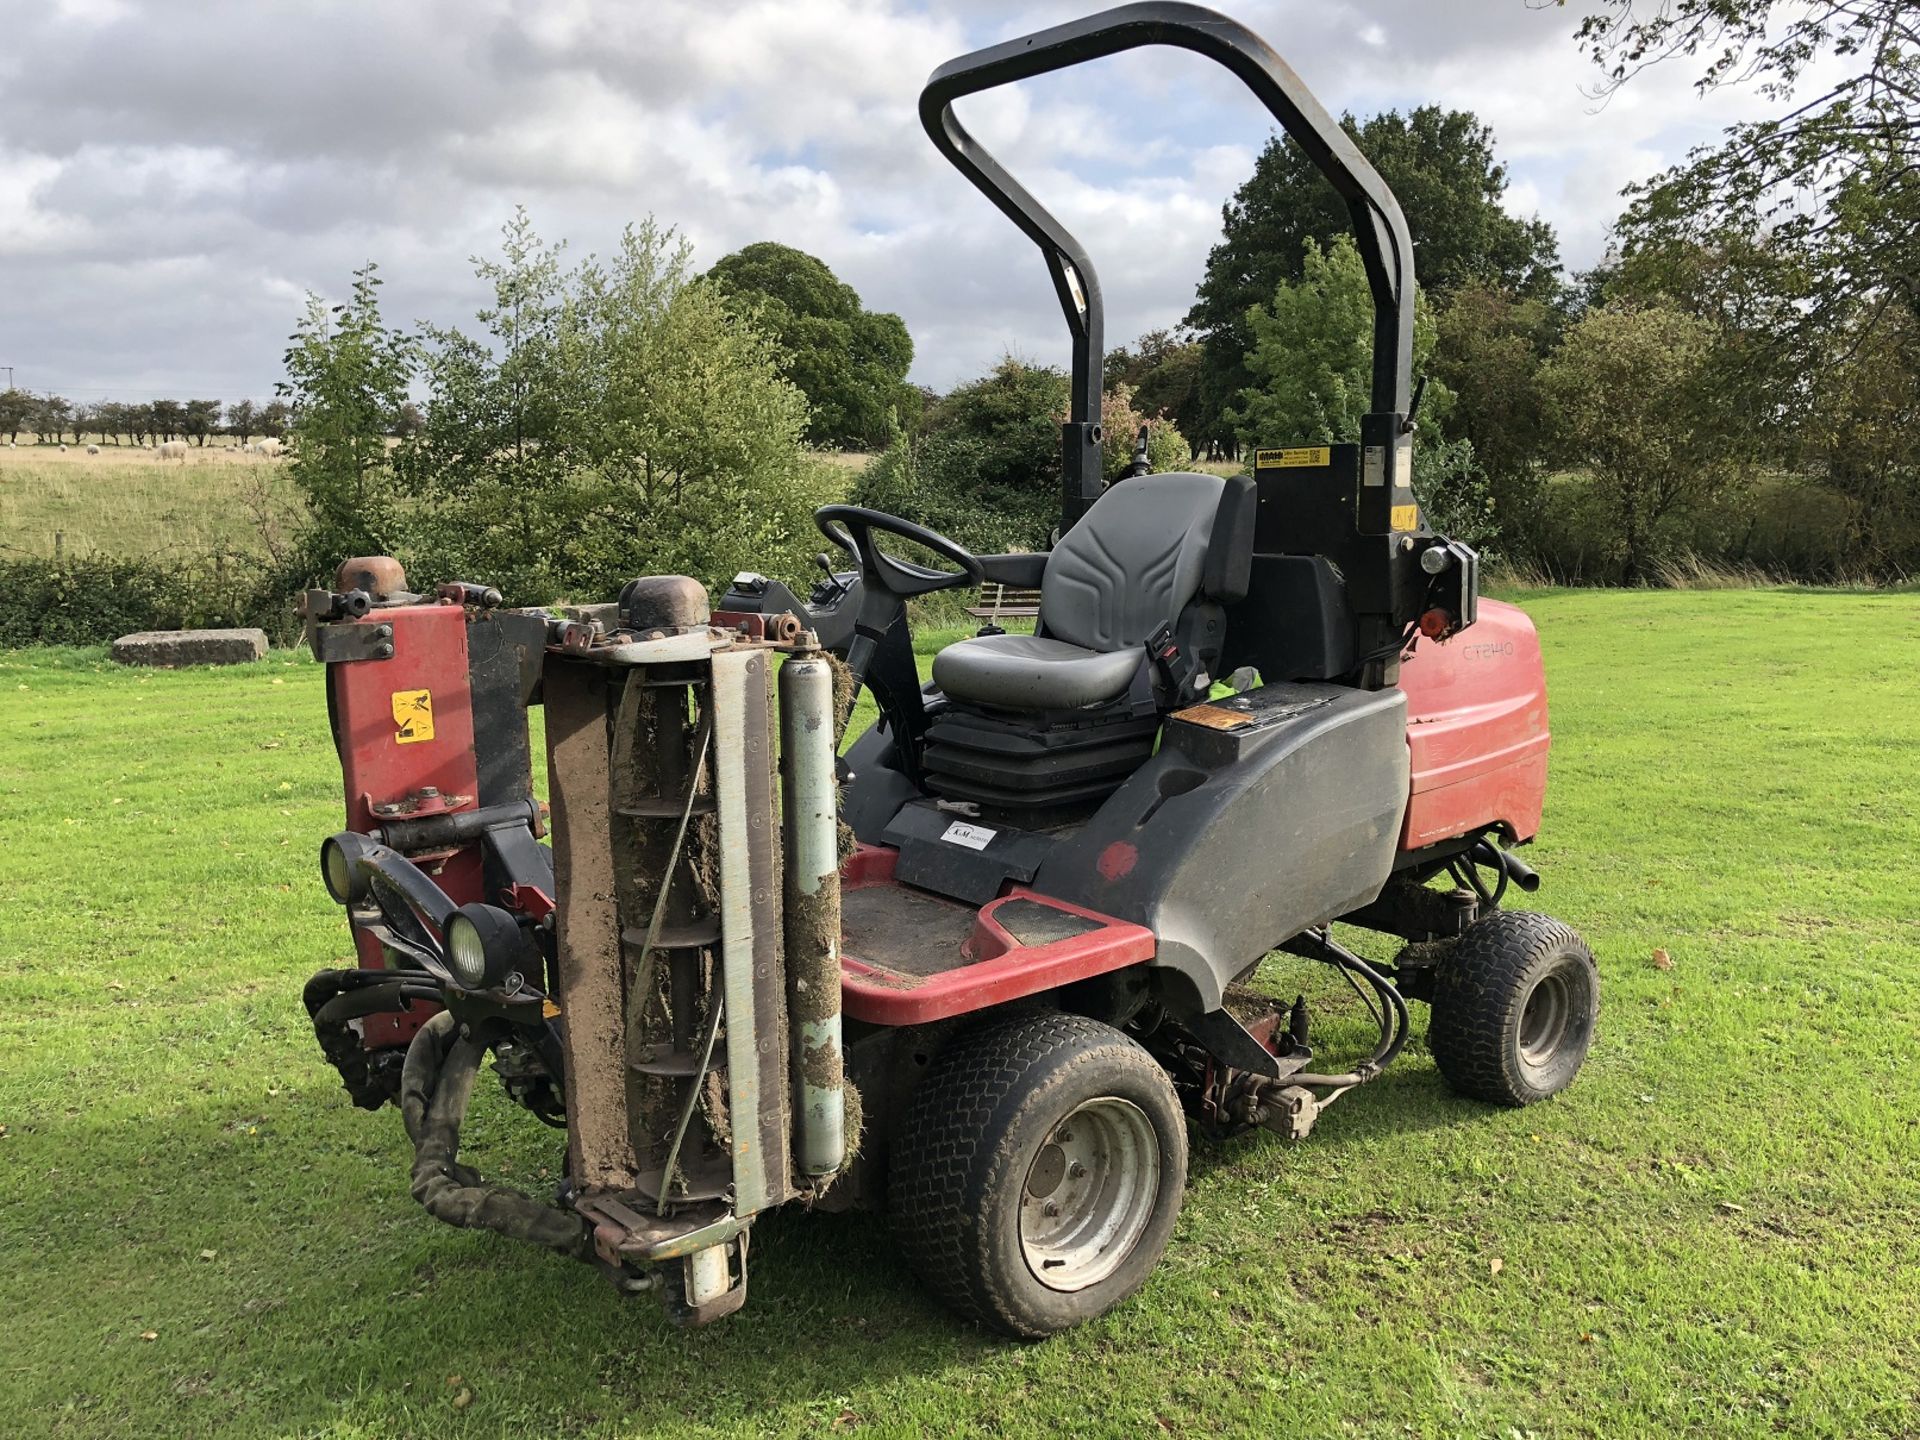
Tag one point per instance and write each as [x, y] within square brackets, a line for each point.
[485, 947]
[343, 882]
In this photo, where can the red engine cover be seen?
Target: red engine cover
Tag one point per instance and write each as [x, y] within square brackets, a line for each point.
[1476, 730]
[402, 724]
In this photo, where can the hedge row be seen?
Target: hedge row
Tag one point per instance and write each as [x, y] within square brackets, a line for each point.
[93, 600]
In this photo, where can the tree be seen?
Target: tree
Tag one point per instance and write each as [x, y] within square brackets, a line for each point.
[242, 423]
[620, 418]
[275, 417]
[1489, 346]
[1312, 381]
[1310, 357]
[347, 373]
[496, 432]
[1163, 371]
[17, 409]
[199, 419]
[1863, 440]
[168, 416]
[1829, 188]
[1441, 166]
[985, 466]
[850, 362]
[1629, 396]
[50, 420]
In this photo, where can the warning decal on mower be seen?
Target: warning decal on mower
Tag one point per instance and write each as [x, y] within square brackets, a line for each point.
[974, 837]
[1307, 455]
[413, 713]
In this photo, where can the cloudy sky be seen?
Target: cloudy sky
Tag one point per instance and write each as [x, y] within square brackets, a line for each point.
[175, 175]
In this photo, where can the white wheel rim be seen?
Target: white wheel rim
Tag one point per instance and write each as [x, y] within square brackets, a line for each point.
[1089, 1194]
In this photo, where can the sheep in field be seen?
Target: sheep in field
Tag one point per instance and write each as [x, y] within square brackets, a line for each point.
[268, 448]
[173, 450]
[93, 449]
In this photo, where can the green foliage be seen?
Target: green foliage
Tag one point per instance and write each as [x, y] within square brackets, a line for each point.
[621, 419]
[17, 409]
[1630, 396]
[94, 599]
[1489, 346]
[1163, 370]
[1441, 166]
[851, 363]
[1312, 369]
[347, 374]
[1310, 360]
[1862, 438]
[985, 468]
[1826, 190]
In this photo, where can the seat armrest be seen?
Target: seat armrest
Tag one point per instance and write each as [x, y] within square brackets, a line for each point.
[1022, 572]
[1229, 563]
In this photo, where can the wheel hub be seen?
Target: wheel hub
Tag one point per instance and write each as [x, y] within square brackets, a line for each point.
[1544, 1020]
[1089, 1194]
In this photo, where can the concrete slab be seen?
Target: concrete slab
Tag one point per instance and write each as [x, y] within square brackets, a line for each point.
[168, 648]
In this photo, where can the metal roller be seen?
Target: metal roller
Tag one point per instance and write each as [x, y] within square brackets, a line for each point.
[812, 913]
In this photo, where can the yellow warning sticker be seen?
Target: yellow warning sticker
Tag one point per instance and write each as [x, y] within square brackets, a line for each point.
[413, 713]
[1406, 517]
[1292, 459]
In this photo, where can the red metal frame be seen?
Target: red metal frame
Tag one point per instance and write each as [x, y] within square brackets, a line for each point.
[381, 769]
[998, 967]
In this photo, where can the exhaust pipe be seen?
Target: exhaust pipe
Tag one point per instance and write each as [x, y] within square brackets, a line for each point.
[1485, 852]
[812, 913]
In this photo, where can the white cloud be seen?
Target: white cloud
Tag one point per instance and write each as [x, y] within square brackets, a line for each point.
[172, 178]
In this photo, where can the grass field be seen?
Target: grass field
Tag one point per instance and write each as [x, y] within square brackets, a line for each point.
[131, 503]
[1716, 1232]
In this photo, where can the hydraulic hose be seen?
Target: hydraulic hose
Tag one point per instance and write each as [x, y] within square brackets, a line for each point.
[1393, 1035]
[435, 1088]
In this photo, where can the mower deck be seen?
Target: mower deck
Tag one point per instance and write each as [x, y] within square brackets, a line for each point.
[909, 957]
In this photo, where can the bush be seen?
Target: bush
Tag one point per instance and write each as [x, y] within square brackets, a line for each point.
[985, 467]
[93, 600]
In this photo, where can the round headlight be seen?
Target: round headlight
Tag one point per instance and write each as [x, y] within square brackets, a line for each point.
[486, 948]
[336, 872]
[466, 952]
[1435, 558]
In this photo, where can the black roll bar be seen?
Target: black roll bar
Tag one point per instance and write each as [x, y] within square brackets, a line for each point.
[1379, 227]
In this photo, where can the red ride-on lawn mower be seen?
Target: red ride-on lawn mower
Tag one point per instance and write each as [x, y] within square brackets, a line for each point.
[982, 969]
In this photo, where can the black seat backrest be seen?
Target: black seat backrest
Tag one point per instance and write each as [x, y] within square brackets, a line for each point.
[1142, 553]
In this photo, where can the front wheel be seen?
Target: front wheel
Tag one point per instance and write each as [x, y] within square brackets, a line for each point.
[1039, 1172]
[1514, 1007]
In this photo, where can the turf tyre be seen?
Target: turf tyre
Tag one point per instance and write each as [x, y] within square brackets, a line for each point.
[967, 1157]
[1514, 1008]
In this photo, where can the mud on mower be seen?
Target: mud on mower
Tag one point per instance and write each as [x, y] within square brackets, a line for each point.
[980, 968]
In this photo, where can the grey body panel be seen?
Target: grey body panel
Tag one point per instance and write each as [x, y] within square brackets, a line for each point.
[1226, 844]
[1031, 672]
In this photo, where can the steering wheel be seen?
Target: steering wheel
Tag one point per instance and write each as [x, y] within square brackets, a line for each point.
[851, 527]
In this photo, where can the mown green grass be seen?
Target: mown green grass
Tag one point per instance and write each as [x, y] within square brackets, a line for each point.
[1715, 1232]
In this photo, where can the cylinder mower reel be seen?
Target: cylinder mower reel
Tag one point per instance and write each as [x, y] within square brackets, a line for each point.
[992, 966]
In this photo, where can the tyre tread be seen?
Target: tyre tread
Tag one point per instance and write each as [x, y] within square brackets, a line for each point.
[1468, 1033]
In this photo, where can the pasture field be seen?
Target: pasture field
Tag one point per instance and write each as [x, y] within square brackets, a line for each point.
[128, 502]
[1716, 1232]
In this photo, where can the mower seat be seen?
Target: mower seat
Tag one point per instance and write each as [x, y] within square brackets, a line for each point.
[1145, 550]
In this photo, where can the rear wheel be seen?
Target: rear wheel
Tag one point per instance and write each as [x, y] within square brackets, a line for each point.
[1514, 1007]
[1039, 1172]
